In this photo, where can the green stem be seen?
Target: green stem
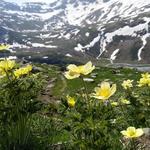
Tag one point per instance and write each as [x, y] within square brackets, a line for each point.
[7, 75]
[133, 145]
[86, 92]
[124, 114]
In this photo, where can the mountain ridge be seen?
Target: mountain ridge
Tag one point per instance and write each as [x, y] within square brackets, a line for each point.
[112, 29]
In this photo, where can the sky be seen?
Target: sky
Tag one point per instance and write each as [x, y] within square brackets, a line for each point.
[22, 1]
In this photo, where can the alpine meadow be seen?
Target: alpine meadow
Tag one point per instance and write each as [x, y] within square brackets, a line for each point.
[74, 75]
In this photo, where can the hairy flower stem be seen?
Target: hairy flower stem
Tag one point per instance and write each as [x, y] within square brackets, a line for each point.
[86, 93]
[133, 145]
[7, 75]
[124, 114]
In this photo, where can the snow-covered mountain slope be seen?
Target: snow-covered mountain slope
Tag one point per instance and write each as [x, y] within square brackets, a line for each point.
[115, 29]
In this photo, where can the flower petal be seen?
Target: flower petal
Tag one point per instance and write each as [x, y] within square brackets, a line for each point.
[131, 129]
[105, 85]
[87, 68]
[139, 132]
[113, 89]
[71, 75]
[72, 68]
[124, 132]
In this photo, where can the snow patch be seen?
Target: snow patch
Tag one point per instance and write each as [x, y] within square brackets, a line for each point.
[67, 36]
[93, 42]
[124, 31]
[10, 58]
[87, 34]
[17, 45]
[79, 48]
[114, 55]
[143, 38]
[42, 45]
[68, 55]
[45, 57]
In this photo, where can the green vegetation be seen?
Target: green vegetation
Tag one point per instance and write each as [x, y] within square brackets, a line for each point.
[37, 114]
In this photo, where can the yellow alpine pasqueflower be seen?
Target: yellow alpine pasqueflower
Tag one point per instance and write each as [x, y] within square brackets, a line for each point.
[132, 132]
[127, 84]
[3, 47]
[145, 75]
[114, 104]
[75, 71]
[125, 101]
[71, 101]
[104, 91]
[71, 75]
[144, 80]
[22, 71]
[6, 65]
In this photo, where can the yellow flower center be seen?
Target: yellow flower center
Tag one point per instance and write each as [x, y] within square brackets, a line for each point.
[131, 133]
[104, 92]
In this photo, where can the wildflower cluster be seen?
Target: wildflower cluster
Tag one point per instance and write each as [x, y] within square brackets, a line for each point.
[22, 71]
[144, 80]
[127, 84]
[18, 99]
[6, 65]
[89, 115]
[102, 114]
[4, 47]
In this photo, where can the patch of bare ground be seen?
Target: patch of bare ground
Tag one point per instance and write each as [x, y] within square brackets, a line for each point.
[46, 95]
